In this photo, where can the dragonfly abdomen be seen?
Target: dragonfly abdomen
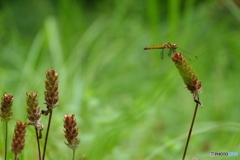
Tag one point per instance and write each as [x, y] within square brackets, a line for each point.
[157, 47]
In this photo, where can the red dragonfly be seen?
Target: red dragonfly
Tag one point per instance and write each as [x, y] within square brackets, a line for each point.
[172, 48]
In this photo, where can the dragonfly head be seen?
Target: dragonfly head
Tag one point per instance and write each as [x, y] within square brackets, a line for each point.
[174, 46]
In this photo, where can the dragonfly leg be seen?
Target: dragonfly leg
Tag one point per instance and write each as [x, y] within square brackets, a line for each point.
[171, 52]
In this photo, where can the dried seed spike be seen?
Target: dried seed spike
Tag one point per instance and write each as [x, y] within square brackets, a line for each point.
[51, 100]
[189, 77]
[71, 131]
[51, 85]
[33, 110]
[18, 138]
[6, 108]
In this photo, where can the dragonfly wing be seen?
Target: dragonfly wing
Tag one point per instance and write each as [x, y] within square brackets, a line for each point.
[171, 51]
[162, 53]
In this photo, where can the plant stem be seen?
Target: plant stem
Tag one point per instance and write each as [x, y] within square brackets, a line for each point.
[190, 131]
[6, 140]
[46, 138]
[39, 149]
[73, 154]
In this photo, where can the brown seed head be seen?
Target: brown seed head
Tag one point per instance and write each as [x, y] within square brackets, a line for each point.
[71, 131]
[6, 108]
[189, 77]
[19, 138]
[51, 85]
[33, 110]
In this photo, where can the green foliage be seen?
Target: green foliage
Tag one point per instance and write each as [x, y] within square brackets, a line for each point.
[129, 103]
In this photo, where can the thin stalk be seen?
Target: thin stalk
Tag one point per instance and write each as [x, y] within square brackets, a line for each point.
[190, 131]
[38, 143]
[47, 132]
[6, 141]
[73, 154]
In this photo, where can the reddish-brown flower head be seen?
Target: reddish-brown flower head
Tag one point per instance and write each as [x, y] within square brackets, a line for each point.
[6, 108]
[51, 85]
[189, 77]
[33, 110]
[71, 131]
[19, 138]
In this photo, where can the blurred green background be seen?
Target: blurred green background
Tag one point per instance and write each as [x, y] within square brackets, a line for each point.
[129, 103]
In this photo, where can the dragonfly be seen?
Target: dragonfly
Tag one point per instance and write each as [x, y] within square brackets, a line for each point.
[171, 46]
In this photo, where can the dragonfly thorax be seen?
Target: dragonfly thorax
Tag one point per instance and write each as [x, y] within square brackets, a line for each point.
[171, 46]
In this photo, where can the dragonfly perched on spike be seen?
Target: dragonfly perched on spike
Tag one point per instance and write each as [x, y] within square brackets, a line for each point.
[171, 46]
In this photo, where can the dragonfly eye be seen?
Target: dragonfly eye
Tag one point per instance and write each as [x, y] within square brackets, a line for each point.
[175, 46]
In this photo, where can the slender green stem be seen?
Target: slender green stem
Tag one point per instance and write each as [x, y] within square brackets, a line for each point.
[73, 154]
[47, 132]
[190, 131]
[38, 143]
[6, 140]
